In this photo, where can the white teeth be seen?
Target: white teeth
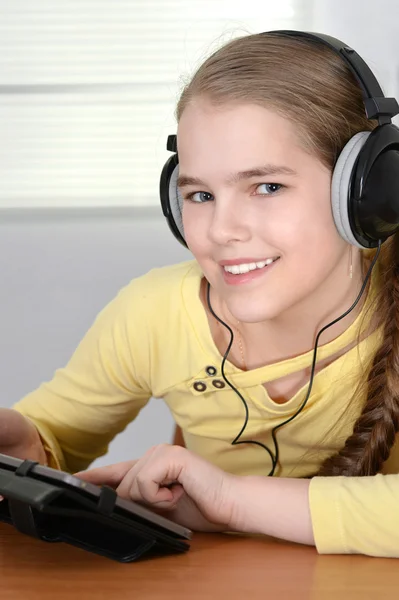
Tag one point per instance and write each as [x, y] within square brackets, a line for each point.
[245, 268]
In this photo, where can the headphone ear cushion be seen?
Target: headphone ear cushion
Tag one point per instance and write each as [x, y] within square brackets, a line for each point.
[340, 186]
[176, 201]
[171, 200]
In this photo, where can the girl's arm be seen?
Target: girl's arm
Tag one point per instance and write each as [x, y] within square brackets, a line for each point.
[356, 515]
[100, 391]
[342, 515]
[276, 507]
[201, 496]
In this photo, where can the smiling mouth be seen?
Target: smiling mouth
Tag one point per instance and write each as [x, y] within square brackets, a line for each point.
[240, 269]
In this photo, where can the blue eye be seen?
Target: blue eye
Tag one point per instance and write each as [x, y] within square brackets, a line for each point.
[270, 188]
[199, 197]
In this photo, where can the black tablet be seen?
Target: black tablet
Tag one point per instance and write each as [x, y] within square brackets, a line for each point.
[56, 506]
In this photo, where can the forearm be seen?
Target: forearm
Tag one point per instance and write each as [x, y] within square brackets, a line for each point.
[276, 507]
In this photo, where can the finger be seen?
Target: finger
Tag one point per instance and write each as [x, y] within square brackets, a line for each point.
[126, 483]
[155, 479]
[110, 475]
[162, 497]
[165, 498]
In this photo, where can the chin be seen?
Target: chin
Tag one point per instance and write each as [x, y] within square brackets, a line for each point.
[253, 313]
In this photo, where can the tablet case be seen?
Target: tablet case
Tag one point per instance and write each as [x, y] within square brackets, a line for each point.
[54, 513]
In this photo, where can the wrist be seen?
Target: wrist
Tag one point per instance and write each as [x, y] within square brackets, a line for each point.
[278, 507]
[242, 518]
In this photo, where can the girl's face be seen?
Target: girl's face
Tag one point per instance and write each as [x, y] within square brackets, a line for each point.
[253, 196]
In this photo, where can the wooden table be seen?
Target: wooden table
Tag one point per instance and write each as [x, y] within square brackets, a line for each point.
[216, 566]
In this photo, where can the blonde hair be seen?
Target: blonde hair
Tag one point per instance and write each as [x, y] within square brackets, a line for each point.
[304, 81]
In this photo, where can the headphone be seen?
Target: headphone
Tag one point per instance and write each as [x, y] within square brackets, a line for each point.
[365, 181]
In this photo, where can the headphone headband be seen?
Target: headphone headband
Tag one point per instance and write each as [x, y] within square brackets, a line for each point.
[376, 105]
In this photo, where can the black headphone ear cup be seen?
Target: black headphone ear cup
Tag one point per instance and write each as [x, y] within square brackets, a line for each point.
[171, 200]
[377, 214]
[340, 186]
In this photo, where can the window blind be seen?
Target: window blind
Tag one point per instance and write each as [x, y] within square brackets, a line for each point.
[88, 90]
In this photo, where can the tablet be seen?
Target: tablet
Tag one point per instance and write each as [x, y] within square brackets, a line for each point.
[73, 510]
[63, 479]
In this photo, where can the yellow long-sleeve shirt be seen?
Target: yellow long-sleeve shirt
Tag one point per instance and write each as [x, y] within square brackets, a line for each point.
[153, 339]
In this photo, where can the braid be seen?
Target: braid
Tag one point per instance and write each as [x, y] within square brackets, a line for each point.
[375, 430]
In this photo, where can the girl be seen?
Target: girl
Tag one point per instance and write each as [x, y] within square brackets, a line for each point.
[227, 340]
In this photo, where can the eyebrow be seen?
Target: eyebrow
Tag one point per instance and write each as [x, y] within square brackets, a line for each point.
[265, 171]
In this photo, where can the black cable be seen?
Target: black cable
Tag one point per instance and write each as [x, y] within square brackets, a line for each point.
[275, 457]
[235, 441]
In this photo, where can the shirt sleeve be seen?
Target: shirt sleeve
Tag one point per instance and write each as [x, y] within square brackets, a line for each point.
[101, 389]
[356, 515]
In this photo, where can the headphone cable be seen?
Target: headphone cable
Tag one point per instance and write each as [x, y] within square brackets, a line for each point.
[275, 456]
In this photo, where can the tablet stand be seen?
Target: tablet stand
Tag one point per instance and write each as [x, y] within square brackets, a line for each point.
[55, 513]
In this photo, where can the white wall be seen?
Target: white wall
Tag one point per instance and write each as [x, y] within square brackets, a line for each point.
[371, 28]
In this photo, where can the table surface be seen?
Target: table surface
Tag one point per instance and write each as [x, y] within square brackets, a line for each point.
[216, 566]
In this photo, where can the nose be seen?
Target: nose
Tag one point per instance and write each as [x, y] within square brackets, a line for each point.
[229, 222]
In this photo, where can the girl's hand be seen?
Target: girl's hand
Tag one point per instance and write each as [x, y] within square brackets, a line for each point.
[193, 492]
